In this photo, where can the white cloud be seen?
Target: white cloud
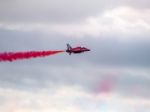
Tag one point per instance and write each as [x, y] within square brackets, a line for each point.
[68, 99]
[121, 21]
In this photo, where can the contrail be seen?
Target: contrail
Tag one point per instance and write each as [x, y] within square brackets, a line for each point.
[12, 56]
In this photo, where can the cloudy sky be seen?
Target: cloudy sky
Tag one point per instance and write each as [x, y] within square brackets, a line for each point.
[113, 77]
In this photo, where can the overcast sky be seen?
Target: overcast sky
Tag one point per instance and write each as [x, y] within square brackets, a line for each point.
[113, 77]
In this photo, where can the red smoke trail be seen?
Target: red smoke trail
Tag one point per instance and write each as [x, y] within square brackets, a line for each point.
[12, 56]
[107, 84]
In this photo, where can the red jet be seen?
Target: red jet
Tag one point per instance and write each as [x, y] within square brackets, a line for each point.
[76, 49]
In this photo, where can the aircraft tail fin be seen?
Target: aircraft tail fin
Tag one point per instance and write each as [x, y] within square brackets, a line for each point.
[69, 47]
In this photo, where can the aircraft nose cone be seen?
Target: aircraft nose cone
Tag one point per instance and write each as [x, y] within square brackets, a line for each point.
[88, 50]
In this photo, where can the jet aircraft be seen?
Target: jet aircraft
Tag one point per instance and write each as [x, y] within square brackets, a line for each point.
[76, 50]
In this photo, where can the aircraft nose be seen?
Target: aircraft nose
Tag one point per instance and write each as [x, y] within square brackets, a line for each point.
[88, 50]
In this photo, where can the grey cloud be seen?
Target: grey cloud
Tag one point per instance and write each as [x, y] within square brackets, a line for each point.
[77, 70]
[104, 51]
[113, 52]
[40, 76]
[126, 62]
[59, 11]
